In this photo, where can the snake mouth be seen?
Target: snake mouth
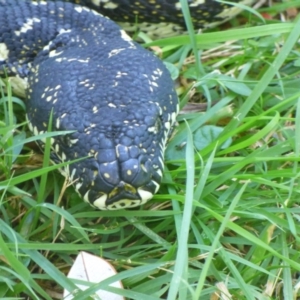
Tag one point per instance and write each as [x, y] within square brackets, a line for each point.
[123, 196]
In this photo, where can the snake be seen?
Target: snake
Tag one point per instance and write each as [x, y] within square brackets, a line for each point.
[86, 76]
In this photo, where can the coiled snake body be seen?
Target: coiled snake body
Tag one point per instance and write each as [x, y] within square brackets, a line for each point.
[117, 97]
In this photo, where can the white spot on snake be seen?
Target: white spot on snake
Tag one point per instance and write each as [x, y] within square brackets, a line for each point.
[128, 39]
[63, 156]
[167, 125]
[35, 130]
[19, 85]
[80, 9]
[110, 5]
[79, 60]
[117, 151]
[95, 109]
[156, 186]
[124, 203]
[78, 185]
[178, 5]
[144, 168]
[173, 117]
[29, 124]
[27, 26]
[115, 52]
[120, 74]
[97, 2]
[54, 53]
[196, 3]
[159, 172]
[161, 161]
[153, 30]
[86, 197]
[3, 52]
[154, 77]
[152, 129]
[125, 36]
[43, 139]
[62, 31]
[151, 83]
[101, 202]
[73, 142]
[57, 123]
[145, 195]
[111, 105]
[158, 72]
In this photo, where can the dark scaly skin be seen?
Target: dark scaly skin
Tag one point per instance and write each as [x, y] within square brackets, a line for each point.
[161, 18]
[118, 97]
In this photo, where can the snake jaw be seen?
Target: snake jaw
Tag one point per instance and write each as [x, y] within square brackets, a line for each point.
[122, 196]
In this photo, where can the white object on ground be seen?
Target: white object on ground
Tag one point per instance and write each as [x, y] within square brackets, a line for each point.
[94, 269]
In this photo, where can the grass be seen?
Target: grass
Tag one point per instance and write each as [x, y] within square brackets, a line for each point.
[225, 223]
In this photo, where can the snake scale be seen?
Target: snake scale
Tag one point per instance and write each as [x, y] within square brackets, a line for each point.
[117, 98]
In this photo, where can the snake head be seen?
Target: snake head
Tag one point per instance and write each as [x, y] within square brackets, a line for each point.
[125, 153]
[120, 101]
[126, 165]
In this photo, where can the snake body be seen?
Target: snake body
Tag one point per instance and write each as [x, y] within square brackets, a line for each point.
[116, 97]
[161, 18]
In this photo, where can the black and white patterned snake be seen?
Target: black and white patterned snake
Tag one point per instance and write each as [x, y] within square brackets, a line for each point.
[117, 98]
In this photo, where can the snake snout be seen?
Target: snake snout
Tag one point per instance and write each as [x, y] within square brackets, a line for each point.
[123, 195]
[128, 164]
[124, 160]
[125, 182]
